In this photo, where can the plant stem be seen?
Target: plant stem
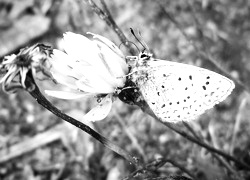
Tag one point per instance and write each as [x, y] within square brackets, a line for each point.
[38, 96]
[107, 17]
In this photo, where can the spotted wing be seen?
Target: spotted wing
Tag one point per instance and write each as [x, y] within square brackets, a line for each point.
[176, 91]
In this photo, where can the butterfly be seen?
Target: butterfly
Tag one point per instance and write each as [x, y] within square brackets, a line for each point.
[175, 91]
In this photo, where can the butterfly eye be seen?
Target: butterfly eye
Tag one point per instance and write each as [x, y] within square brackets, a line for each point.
[144, 56]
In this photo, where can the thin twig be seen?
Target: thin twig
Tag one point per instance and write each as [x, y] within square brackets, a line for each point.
[237, 123]
[155, 165]
[130, 135]
[169, 178]
[206, 55]
[46, 104]
[107, 17]
[191, 130]
[145, 107]
[221, 160]
[182, 168]
[208, 147]
[209, 57]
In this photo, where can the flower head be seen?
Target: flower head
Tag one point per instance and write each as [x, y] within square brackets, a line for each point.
[14, 68]
[89, 67]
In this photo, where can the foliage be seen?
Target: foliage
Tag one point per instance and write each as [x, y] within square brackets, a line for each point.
[35, 144]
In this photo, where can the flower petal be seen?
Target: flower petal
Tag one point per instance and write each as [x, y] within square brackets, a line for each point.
[61, 57]
[113, 58]
[23, 73]
[100, 111]
[62, 63]
[65, 80]
[66, 95]
[94, 84]
[69, 72]
[85, 51]
[109, 48]
[116, 65]
[9, 59]
[92, 66]
[108, 43]
[11, 70]
[80, 48]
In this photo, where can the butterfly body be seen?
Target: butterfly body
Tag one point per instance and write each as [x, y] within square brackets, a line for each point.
[176, 91]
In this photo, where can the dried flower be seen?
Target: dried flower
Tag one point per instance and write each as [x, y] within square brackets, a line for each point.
[14, 68]
[89, 67]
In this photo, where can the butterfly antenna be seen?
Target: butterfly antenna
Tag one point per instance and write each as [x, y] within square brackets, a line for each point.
[142, 41]
[144, 45]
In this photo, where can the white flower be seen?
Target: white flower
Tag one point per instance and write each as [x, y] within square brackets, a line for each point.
[89, 67]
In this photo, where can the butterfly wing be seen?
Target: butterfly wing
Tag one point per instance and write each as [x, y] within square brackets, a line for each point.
[176, 91]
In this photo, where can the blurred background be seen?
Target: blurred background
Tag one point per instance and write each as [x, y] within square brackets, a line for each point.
[214, 34]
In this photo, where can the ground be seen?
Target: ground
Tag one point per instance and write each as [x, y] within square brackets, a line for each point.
[35, 144]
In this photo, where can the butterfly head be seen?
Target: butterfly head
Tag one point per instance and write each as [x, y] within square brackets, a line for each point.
[143, 58]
